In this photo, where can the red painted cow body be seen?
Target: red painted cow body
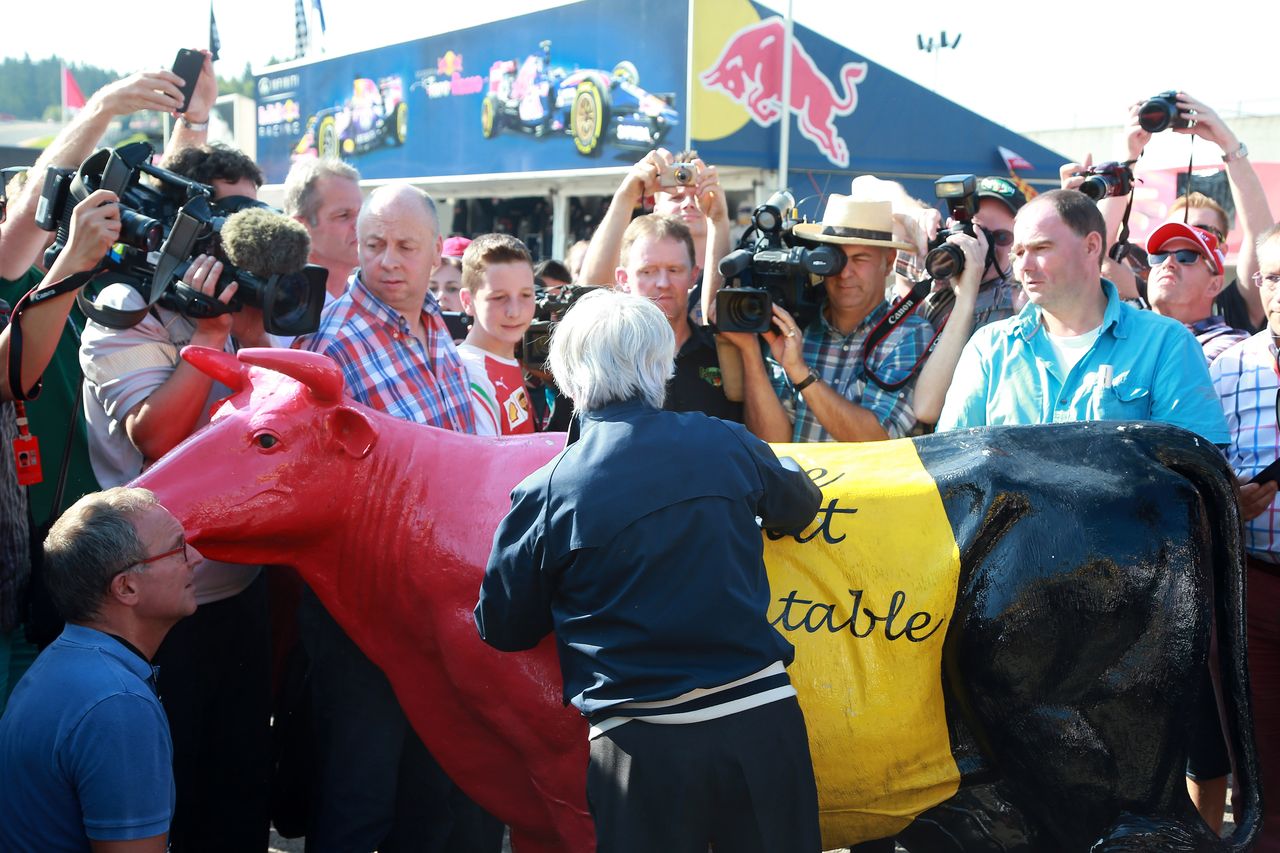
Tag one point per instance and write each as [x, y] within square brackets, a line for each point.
[482, 713]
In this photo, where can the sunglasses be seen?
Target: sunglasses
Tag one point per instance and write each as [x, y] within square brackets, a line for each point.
[1185, 257]
[1002, 237]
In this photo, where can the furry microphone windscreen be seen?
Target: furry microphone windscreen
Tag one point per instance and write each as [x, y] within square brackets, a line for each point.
[264, 243]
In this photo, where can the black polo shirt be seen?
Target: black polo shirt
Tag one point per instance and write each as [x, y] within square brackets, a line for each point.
[697, 385]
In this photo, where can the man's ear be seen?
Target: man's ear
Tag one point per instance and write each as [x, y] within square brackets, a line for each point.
[1214, 287]
[124, 588]
[1093, 245]
[620, 279]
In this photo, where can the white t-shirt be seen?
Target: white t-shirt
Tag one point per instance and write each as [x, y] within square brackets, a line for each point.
[122, 367]
[1069, 349]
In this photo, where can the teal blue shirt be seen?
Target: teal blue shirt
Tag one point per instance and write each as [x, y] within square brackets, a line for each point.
[1142, 367]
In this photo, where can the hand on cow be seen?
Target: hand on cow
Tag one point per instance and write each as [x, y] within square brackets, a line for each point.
[95, 225]
[787, 345]
[1255, 498]
[202, 276]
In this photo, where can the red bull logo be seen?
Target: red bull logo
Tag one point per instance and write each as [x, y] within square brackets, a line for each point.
[749, 71]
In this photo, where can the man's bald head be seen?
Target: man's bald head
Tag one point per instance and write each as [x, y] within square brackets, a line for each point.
[403, 198]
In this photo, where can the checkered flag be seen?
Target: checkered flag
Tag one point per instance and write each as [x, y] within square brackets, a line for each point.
[302, 38]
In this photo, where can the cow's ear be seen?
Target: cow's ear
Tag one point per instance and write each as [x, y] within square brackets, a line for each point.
[353, 431]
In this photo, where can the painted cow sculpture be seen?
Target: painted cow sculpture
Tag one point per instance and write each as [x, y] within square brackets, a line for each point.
[1082, 567]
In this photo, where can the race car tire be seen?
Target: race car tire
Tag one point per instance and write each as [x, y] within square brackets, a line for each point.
[490, 117]
[626, 71]
[327, 138]
[400, 132]
[588, 118]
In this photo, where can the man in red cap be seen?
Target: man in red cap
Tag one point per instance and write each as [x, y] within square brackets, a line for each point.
[1186, 274]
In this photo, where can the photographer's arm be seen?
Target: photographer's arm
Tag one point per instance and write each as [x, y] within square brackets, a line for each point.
[715, 207]
[604, 253]
[935, 377]
[762, 411]
[1246, 189]
[202, 99]
[95, 225]
[21, 241]
[171, 412]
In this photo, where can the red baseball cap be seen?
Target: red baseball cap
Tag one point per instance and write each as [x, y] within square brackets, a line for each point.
[454, 247]
[1206, 242]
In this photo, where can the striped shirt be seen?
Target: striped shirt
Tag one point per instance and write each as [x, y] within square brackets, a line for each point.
[1215, 336]
[837, 359]
[1245, 379]
[387, 368]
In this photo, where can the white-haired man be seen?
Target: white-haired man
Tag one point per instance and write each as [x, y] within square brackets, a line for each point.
[640, 503]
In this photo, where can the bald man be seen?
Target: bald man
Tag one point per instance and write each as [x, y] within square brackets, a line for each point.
[377, 787]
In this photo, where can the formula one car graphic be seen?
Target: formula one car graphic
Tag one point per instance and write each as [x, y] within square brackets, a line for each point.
[590, 105]
[376, 114]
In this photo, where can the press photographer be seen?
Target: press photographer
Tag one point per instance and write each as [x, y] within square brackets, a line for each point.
[141, 400]
[816, 385]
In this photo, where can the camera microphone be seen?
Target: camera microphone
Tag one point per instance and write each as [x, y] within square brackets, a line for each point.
[265, 243]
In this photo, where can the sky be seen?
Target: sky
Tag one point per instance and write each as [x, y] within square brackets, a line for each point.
[1028, 66]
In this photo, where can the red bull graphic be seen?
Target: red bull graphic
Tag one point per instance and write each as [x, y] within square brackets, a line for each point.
[749, 70]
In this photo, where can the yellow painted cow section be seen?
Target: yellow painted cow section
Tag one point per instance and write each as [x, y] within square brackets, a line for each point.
[866, 595]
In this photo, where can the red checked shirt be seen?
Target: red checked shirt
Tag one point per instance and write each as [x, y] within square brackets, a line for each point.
[387, 368]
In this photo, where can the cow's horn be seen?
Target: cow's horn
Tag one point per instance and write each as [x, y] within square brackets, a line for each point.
[318, 372]
[221, 365]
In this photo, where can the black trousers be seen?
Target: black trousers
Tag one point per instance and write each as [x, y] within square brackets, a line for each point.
[215, 685]
[376, 786]
[739, 784]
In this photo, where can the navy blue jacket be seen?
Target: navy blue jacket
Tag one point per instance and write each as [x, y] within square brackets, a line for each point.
[639, 546]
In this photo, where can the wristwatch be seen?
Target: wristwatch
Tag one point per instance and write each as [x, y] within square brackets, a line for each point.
[194, 125]
[806, 382]
[1239, 154]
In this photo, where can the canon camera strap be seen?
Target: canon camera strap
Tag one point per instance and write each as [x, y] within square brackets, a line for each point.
[899, 311]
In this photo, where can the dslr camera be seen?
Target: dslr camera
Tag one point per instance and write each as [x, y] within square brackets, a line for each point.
[960, 192]
[548, 308]
[1106, 180]
[772, 265]
[1161, 113]
[165, 225]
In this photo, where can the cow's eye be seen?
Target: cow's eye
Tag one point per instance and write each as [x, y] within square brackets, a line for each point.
[266, 440]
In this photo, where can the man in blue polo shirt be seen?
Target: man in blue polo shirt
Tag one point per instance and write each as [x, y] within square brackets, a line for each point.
[85, 752]
[1077, 352]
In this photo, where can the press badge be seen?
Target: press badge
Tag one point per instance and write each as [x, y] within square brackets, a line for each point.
[26, 460]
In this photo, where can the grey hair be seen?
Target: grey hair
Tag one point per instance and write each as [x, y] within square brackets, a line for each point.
[387, 195]
[300, 196]
[613, 346]
[92, 542]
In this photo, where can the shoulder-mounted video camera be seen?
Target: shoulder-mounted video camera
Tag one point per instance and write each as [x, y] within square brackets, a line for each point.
[772, 265]
[165, 225]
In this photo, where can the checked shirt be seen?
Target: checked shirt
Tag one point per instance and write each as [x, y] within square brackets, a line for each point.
[387, 368]
[837, 359]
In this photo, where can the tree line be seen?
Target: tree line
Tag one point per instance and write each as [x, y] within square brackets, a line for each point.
[32, 88]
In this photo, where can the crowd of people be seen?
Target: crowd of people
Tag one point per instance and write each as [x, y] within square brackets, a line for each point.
[146, 722]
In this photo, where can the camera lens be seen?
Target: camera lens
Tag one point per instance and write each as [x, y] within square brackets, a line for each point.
[744, 310]
[946, 261]
[1156, 114]
[140, 231]
[684, 175]
[1095, 187]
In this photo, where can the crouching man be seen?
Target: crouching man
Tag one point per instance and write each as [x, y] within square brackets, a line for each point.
[639, 546]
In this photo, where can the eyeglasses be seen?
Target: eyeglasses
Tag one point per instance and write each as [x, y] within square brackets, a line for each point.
[184, 549]
[1185, 257]
[1271, 279]
[1002, 237]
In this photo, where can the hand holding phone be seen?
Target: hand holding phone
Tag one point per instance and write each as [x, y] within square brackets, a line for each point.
[1268, 475]
[188, 64]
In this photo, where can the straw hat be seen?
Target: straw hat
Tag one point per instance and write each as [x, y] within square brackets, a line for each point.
[856, 223]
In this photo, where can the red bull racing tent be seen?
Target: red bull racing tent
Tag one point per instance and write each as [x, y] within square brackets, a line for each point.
[559, 103]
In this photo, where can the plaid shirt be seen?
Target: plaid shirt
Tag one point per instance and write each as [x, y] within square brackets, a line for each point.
[1215, 336]
[1245, 379]
[387, 368]
[837, 359]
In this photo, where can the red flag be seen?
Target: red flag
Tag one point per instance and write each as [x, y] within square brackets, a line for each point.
[1012, 160]
[72, 97]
